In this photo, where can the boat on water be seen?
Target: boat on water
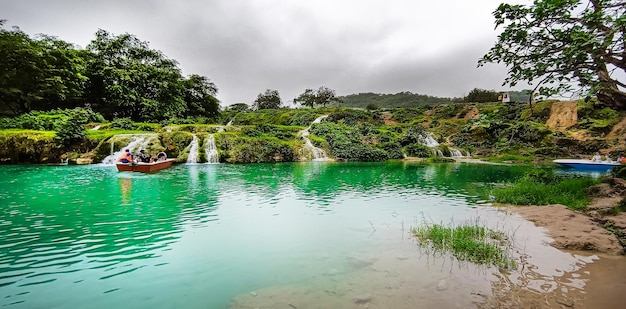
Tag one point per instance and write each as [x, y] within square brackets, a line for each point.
[584, 164]
[144, 167]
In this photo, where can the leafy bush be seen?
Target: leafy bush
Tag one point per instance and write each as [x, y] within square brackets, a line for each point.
[393, 149]
[418, 150]
[72, 129]
[123, 123]
[352, 117]
[414, 134]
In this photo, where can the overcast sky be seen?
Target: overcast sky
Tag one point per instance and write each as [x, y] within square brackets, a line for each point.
[248, 46]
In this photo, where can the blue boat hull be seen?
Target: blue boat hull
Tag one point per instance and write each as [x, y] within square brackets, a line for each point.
[586, 165]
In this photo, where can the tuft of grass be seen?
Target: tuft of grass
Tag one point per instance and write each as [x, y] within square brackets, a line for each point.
[469, 242]
[545, 188]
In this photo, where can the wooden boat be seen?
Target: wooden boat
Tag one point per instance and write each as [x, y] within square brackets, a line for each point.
[583, 164]
[144, 167]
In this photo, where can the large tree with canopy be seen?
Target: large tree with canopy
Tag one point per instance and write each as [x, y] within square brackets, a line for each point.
[564, 46]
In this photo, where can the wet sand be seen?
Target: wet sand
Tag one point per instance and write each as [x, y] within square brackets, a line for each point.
[606, 281]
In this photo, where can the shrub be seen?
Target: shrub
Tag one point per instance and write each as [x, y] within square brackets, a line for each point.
[418, 150]
[412, 135]
[72, 129]
[123, 123]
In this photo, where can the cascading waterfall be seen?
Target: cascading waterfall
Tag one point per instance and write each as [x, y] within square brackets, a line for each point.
[318, 154]
[429, 141]
[193, 150]
[138, 142]
[455, 153]
[211, 150]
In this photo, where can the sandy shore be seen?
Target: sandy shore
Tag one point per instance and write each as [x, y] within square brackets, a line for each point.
[580, 233]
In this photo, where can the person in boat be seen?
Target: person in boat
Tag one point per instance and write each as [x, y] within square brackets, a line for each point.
[161, 156]
[608, 159]
[597, 158]
[143, 157]
[126, 157]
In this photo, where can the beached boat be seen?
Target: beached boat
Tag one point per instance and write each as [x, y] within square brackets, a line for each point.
[583, 164]
[144, 167]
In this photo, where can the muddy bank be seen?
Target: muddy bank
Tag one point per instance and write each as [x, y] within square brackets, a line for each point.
[571, 230]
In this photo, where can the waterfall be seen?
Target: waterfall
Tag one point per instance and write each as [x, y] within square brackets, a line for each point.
[455, 153]
[193, 150]
[318, 154]
[221, 128]
[211, 150]
[138, 142]
[429, 141]
[305, 132]
[95, 128]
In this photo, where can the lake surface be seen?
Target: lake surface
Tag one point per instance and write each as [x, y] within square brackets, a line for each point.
[314, 234]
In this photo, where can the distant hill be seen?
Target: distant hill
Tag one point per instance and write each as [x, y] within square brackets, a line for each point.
[409, 99]
[401, 99]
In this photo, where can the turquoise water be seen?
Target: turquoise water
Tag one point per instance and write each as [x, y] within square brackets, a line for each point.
[197, 236]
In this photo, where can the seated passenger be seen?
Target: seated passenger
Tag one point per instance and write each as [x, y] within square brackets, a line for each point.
[126, 157]
[143, 157]
[162, 156]
[596, 158]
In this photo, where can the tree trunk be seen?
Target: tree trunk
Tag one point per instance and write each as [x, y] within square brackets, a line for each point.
[612, 98]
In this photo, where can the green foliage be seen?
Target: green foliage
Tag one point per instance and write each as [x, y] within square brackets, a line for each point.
[543, 187]
[413, 135]
[37, 120]
[407, 115]
[418, 150]
[401, 99]
[322, 96]
[71, 129]
[23, 146]
[599, 121]
[468, 242]
[393, 149]
[477, 95]
[238, 149]
[352, 117]
[123, 123]
[563, 45]
[38, 74]
[239, 107]
[345, 143]
[268, 100]
[200, 97]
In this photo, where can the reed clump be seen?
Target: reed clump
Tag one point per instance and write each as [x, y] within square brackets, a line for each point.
[468, 242]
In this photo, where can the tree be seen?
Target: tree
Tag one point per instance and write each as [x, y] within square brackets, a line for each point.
[200, 97]
[322, 96]
[562, 44]
[128, 79]
[268, 100]
[481, 96]
[38, 74]
[307, 98]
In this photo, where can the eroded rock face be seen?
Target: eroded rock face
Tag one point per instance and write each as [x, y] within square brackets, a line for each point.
[563, 115]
